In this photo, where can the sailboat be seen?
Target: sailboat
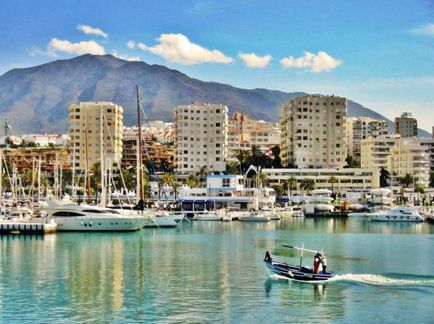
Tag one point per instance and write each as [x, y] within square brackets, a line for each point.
[158, 219]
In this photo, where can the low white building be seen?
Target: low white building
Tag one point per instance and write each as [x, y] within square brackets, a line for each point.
[44, 140]
[226, 191]
[340, 180]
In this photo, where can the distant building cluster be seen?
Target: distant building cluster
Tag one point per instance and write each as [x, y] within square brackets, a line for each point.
[315, 136]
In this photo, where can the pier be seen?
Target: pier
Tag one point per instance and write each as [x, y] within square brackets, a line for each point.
[27, 228]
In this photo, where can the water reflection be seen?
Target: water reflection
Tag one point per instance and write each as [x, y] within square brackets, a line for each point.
[307, 300]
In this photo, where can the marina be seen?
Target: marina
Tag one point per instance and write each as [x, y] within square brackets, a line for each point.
[214, 272]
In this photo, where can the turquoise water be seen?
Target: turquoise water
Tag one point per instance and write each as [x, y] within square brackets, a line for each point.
[213, 272]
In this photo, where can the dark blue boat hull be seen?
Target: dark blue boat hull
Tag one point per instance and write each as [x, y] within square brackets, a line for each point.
[296, 272]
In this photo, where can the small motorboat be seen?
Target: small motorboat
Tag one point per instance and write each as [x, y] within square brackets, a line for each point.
[297, 272]
[298, 214]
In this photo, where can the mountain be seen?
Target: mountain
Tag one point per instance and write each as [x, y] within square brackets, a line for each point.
[36, 99]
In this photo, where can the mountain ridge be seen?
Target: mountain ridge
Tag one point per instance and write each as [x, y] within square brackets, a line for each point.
[36, 99]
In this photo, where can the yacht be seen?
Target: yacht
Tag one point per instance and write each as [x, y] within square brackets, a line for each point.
[398, 214]
[165, 219]
[208, 216]
[255, 216]
[319, 202]
[70, 216]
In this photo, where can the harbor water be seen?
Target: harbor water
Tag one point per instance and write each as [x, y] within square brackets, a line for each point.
[212, 272]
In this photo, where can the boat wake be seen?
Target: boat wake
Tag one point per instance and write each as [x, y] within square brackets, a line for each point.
[382, 280]
[371, 279]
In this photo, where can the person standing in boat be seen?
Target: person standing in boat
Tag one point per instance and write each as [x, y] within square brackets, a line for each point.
[316, 262]
[324, 263]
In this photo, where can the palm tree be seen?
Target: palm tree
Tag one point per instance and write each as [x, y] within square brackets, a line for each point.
[192, 181]
[170, 180]
[406, 180]
[333, 180]
[255, 150]
[291, 184]
[202, 173]
[263, 179]
[307, 184]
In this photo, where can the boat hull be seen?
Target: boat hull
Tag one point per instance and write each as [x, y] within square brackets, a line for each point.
[298, 273]
[98, 224]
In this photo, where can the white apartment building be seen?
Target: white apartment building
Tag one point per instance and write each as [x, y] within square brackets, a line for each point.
[345, 179]
[408, 156]
[245, 132]
[360, 128]
[313, 131]
[374, 151]
[406, 125]
[201, 137]
[43, 140]
[86, 132]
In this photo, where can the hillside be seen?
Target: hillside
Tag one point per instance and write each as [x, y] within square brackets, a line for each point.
[36, 99]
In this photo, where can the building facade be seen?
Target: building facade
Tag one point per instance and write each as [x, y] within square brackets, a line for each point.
[201, 137]
[86, 133]
[313, 132]
[408, 156]
[243, 132]
[406, 125]
[374, 151]
[340, 180]
[360, 128]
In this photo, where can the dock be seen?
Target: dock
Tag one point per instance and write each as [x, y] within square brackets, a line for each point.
[27, 228]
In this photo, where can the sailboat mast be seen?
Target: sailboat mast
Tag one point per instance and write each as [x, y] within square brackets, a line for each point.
[139, 166]
[87, 166]
[101, 136]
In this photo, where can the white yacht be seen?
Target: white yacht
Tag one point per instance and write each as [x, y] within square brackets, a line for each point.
[255, 216]
[165, 219]
[319, 201]
[70, 216]
[398, 214]
[208, 216]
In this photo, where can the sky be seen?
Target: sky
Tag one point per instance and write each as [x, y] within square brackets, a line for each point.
[378, 53]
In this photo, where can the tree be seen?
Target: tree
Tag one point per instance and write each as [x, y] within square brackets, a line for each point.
[332, 181]
[351, 162]
[263, 179]
[419, 189]
[384, 177]
[202, 174]
[170, 180]
[192, 181]
[277, 161]
[278, 189]
[307, 184]
[406, 180]
[232, 168]
[431, 179]
[291, 184]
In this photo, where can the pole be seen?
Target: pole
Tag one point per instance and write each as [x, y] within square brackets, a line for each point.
[101, 149]
[139, 125]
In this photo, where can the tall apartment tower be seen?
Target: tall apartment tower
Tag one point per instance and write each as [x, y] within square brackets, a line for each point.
[313, 132]
[201, 137]
[86, 132]
[360, 128]
[406, 125]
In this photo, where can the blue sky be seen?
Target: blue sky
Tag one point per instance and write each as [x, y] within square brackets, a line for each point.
[378, 53]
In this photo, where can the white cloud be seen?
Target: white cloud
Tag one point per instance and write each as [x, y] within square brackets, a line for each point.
[255, 61]
[427, 30]
[126, 57]
[177, 48]
[314, 62]
[90, 30]
[84, 47]
[131, 44]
